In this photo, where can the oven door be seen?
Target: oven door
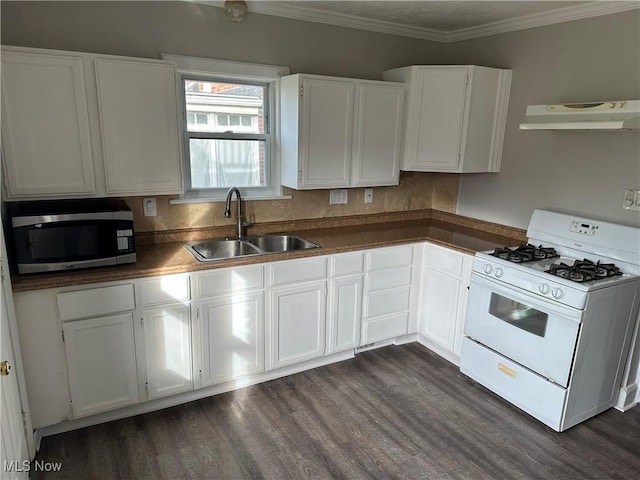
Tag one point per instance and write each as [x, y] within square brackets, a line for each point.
[534, 332]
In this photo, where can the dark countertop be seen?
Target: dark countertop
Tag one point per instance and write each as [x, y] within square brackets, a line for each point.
[171, 258]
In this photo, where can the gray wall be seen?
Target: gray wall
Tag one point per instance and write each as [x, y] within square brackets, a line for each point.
[585, 60]
[146, 29]
[592, 59]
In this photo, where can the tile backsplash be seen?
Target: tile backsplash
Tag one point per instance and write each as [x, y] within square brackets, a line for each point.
[417, 191]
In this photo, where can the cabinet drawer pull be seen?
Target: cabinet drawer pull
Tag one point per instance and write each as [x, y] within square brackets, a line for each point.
[506, 370]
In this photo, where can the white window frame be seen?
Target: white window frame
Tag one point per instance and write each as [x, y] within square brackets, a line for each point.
[221, 70]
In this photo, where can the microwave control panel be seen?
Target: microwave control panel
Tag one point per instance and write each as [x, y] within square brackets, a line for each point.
[125, 240]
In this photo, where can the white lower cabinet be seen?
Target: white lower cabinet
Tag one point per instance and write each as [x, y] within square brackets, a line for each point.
[444, 298]
[297, 313]
[344, 304]
[232, 337]
[388, 293]
[163, 341]
[167, 346]
[228, 338]
[102, 363]
[101, 347]
[297, 324]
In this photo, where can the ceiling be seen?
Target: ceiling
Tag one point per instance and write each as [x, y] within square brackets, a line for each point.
[442, 21]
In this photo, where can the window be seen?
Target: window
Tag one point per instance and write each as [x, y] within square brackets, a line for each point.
[229, 130]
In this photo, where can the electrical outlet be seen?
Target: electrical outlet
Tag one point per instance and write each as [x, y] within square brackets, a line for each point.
[339, 196]
[631, 200]
[368, 195]
[149, 207]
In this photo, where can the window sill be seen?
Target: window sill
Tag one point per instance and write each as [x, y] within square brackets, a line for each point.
[178, 201]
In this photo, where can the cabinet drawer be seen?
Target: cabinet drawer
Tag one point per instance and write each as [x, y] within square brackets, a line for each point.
[159, 290]
[445, 260]
[383, 328]
[299, 271]
[526, 390]
[390, 257]
[96, 302]
[220, 282]
[387, 302]
[347, 264]
[389, 278]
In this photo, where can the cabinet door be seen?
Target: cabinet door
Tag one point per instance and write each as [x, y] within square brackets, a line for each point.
[102, 363]
[435, 133]
[167, 338]
[326, 133]
[45, 126]
[139, 119]
[440, 313]
[376, 157]
[345, 314]
[297, 324]
[232, 337]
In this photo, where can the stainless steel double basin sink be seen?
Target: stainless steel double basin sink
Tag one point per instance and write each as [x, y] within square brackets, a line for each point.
[226, 248]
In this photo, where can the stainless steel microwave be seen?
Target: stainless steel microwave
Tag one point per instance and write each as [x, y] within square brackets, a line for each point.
[69, 235]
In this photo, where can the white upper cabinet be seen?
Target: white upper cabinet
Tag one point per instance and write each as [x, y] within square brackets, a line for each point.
[138, 115]
[81, 124]
[455, 117]
[339, 132]
[45, 125]
[378, 135]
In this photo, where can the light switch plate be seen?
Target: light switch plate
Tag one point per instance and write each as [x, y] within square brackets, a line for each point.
[368, 195]
[631, 200]
[339, 196]
[149, 207]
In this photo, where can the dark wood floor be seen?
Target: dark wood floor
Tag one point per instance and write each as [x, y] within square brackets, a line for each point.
[395, 412]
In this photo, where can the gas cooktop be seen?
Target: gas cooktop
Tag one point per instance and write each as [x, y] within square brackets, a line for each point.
[584, 270]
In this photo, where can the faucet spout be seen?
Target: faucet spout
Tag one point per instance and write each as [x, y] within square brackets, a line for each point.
[227, 208]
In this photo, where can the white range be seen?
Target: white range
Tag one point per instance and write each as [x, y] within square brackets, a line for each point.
[549, 324]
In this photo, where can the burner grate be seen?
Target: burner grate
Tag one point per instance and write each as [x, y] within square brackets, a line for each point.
[524, 253]
[584, 270]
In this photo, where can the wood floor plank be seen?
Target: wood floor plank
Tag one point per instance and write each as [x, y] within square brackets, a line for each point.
[391, 413]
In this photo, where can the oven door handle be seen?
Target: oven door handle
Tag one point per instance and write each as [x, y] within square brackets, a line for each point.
[541, 303]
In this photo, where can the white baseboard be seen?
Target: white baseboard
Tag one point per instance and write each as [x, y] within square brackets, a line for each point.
[437, 349]
[629, 397]
[178, 399]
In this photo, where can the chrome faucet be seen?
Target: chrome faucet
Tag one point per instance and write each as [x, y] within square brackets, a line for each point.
[227, 209]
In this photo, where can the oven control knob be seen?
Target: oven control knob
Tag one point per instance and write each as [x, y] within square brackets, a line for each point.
[557, 293]
[544, 288]
[498, 272]
[488, 269]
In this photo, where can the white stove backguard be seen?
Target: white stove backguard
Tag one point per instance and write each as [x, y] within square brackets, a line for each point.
[579, 237]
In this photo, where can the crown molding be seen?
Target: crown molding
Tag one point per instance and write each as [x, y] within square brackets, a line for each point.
[561, 15]
[593, 9]
[349, 21]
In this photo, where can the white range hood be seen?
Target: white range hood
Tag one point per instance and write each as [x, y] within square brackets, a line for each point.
[610, 115]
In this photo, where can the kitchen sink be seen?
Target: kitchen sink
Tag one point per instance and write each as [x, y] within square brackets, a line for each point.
[280, 243]
[225, 248]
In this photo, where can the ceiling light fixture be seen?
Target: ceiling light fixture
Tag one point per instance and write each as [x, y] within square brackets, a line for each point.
[235, 10]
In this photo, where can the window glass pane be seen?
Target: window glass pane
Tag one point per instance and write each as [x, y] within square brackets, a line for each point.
[227, 163]
[229, 102]
[518, 314]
